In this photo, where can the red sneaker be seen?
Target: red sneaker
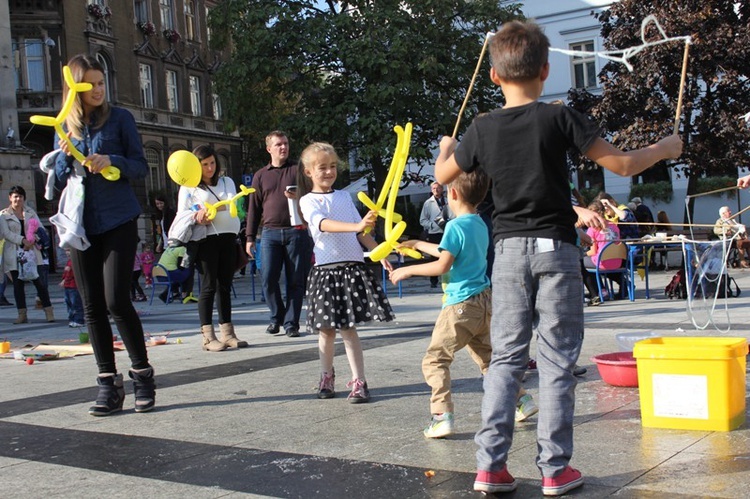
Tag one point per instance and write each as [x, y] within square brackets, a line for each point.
[566, 481]
[494, 481]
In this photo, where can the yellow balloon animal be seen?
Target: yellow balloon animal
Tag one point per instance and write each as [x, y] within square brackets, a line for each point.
[211, 208]
[388, 194]
[108, 172]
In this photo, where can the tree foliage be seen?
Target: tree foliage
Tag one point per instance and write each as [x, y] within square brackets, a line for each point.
[348, 72]
[637, 108]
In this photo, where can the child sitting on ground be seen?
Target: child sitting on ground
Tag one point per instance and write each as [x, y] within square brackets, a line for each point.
[465, 318]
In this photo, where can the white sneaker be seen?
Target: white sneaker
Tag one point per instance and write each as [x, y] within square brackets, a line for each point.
[525, 408]
[440, 426]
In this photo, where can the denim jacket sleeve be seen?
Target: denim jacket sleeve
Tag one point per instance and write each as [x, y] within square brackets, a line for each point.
[119, 138]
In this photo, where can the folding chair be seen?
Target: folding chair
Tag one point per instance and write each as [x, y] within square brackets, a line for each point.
[613, 250]
[162, 277]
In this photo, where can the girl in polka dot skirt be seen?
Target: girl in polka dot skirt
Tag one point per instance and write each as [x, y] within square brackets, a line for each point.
[341, 290]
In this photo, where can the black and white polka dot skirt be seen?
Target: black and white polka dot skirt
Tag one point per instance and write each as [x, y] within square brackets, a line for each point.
[343, 296]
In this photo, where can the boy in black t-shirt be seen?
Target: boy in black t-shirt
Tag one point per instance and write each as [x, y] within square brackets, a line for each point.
[536, 279]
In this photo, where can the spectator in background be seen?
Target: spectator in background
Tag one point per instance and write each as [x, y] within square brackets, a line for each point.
[727, 227]
[165, 215]
[72, 296]
[147, 264]
[283, 245]
[14, 222]
[664, 226]
[620, 215]
[644, 216]
[435, 214]
[3, 284]
[136, 292]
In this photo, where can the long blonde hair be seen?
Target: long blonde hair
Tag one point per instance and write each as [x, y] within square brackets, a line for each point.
[78, 65]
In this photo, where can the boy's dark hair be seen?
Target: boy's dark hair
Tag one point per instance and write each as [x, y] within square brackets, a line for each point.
[206, 151]
[17, 189]
[472, 186]
[519, 51]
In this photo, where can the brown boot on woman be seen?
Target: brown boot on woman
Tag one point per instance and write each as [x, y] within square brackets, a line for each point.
[210, 343]
[228, 337]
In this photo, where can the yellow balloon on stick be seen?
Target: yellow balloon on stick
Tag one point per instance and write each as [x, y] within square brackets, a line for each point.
[108, 172]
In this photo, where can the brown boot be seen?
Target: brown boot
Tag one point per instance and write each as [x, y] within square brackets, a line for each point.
[50, 313]
[22, 319]
[210, 343]
[228, 337]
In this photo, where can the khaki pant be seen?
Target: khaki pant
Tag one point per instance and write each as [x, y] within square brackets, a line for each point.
[466, 324]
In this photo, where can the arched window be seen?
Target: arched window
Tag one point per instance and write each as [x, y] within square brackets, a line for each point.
[107, 74]
[154, 180]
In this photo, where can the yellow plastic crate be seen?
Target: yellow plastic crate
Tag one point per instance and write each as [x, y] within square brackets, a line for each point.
[692, 383]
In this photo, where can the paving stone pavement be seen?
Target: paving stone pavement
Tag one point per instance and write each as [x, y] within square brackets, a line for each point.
[247, 422]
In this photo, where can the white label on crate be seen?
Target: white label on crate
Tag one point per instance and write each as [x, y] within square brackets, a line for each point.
[680, 396]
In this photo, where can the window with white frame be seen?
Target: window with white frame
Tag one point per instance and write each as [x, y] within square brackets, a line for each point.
[217, 106]
[190, 30]
[195, 95]
[147, 86]
[167, 16]
[140, 9]
[172, 92]
[584, 66]
[30, 64]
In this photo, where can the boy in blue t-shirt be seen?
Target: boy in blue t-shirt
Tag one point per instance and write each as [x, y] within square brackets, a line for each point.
[465, 318]
[536, 278]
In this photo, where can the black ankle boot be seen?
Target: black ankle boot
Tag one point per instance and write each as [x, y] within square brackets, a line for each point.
[111, 395]
[144, 389]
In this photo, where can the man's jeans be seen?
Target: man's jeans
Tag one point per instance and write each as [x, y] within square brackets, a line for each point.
[291, 249]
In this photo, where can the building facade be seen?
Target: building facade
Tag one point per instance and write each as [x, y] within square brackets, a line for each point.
[158, 64]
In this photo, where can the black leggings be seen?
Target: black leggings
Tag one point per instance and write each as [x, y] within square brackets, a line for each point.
[216, 258]
[103, 273]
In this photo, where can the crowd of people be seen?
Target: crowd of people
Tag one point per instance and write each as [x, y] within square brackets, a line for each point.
[300, 228]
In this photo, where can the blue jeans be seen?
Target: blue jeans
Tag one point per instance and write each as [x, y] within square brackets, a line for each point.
[536, 285]
[291, 249]
[75, 305]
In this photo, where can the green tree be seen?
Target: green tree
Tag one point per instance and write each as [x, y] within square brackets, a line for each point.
[637, 108]
[348, 72]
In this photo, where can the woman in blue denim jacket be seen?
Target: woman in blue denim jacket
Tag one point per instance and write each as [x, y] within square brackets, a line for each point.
[107, 136]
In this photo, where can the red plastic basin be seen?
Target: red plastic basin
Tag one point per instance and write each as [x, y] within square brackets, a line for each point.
[617, 369]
